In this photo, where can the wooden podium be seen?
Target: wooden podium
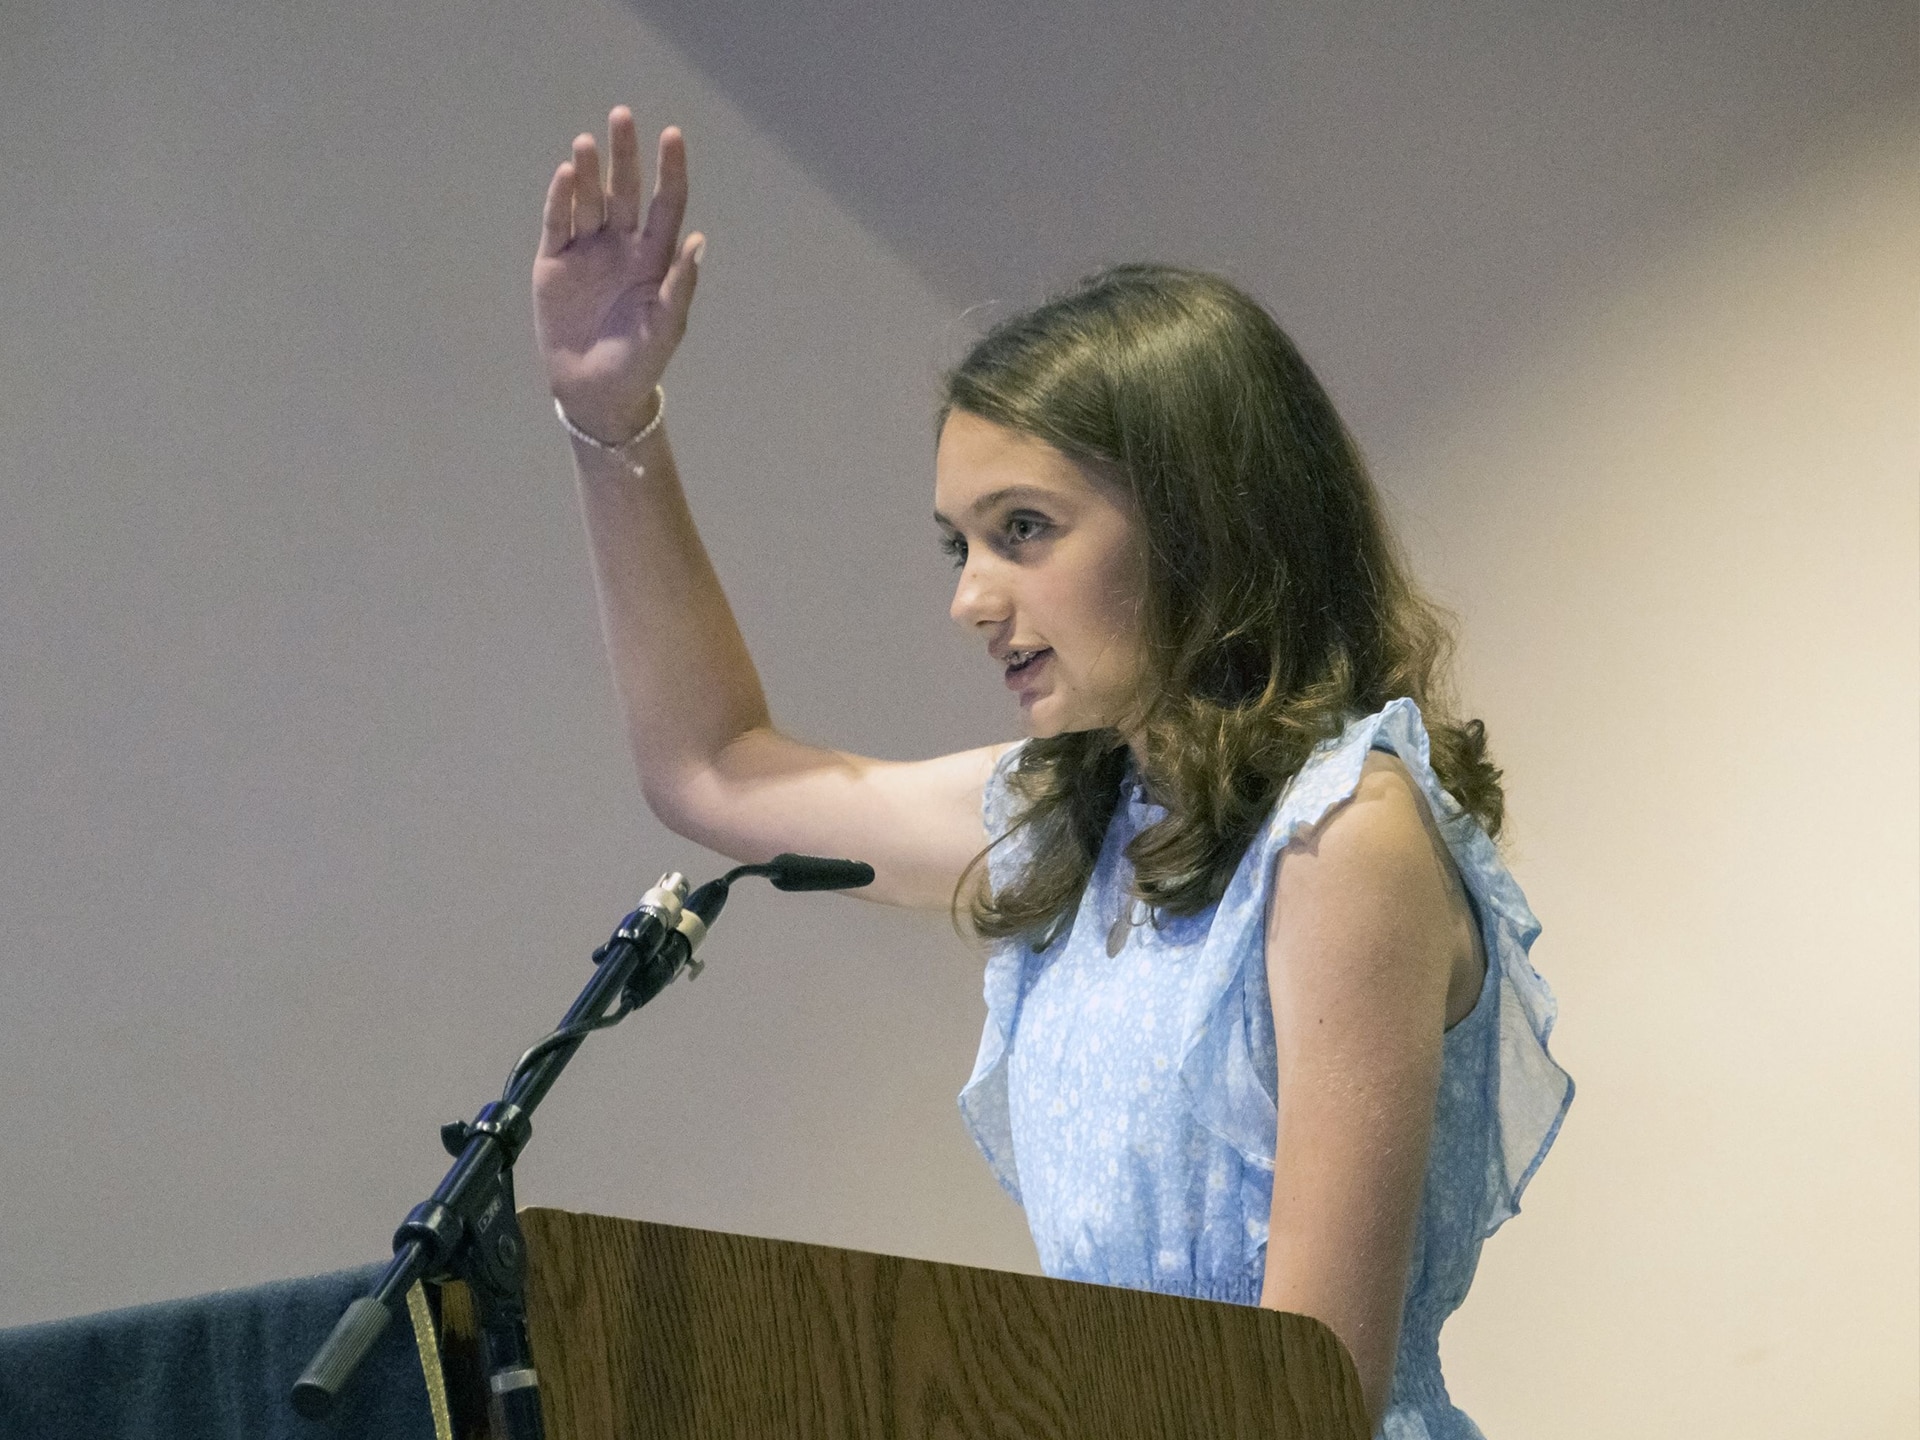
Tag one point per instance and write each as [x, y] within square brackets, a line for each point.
[654, 1332]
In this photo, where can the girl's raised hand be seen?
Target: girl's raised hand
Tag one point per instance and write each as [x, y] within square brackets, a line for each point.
[611, 295]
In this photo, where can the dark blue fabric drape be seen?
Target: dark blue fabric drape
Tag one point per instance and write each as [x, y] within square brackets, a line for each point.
[215, 1367]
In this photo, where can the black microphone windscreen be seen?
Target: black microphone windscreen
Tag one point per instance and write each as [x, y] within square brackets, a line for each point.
[815, 872]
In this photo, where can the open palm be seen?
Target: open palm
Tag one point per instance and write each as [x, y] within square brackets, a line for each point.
[611, 295]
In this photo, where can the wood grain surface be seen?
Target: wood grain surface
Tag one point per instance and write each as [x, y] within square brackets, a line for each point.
[655, 1332]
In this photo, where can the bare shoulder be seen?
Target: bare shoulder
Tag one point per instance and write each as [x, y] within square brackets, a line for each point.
[1374, 889]
[1384, 823]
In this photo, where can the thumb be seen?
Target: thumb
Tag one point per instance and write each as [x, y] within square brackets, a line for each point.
[676, 291]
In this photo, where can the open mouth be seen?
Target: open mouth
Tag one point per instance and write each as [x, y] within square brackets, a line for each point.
[1021, 660]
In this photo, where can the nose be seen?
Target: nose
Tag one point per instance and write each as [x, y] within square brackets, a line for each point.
[978, 598]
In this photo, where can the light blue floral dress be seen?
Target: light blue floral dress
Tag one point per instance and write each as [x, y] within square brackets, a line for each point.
[1128, 1101]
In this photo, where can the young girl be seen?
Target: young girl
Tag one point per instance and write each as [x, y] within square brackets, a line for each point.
[1261, 1025]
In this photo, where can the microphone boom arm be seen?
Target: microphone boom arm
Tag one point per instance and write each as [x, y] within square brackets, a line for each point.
[468, 1229]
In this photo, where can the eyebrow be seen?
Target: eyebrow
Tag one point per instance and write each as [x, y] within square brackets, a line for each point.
[996, 497]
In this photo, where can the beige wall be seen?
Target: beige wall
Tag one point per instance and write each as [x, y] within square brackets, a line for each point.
[1683, 539]
[316, 802]
[317, 805]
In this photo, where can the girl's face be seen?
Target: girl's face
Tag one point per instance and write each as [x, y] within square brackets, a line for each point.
[1051, 572]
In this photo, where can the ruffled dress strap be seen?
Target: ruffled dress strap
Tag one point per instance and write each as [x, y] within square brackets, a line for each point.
[983, 1100]
[1530, 1091]
[1229, 1017]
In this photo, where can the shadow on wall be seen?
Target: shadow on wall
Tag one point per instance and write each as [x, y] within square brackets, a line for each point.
[1408, 185]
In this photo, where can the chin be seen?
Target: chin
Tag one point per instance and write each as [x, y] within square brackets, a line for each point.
[1037, 729]
[1047, 719]
[1042, 721]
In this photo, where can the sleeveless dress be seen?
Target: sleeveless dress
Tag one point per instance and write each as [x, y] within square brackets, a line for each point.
[1128, 1102]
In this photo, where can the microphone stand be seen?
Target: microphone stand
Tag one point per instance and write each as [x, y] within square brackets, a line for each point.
[468, 1229]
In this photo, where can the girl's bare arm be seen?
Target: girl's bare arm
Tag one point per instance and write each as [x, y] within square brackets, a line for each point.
[612, 293]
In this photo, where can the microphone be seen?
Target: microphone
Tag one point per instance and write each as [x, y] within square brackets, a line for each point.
[785, 871]
[811, 872]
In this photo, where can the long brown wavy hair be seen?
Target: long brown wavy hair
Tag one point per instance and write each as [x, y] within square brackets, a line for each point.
[1277, 605]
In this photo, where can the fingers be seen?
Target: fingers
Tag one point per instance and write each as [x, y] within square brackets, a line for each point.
[578, 206]
[676, 291]
[623, 180]
[556, 219]
[660, 239]
[589, 200]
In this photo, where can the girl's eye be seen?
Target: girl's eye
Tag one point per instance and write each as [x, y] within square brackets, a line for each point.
[1025, 527]
[955, 549]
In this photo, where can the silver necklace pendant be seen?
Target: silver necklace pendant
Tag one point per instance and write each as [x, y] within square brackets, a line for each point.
[1122, 927]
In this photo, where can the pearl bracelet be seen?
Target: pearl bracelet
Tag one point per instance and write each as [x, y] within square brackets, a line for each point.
[659, 414]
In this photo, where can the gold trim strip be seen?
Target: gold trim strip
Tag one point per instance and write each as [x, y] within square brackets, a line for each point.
[427, 1342]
